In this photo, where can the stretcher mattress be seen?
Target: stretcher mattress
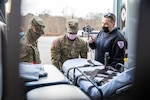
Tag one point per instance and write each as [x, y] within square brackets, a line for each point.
[107, 88]
[57, 92]
[54, 76]
[69, 65]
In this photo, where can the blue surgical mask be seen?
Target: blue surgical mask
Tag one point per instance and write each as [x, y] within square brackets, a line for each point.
[21, 34]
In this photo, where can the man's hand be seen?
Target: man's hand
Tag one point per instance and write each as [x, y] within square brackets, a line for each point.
[91, 39]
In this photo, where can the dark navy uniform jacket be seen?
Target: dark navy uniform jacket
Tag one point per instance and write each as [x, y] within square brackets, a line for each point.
[114, 43]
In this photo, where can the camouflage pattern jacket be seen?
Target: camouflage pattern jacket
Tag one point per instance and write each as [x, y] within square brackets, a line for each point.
[29, 50]
[63, 49]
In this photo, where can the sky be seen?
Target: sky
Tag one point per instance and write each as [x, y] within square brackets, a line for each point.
[79, 8]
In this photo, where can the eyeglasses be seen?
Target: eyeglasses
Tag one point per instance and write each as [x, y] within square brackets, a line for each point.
[110, 15]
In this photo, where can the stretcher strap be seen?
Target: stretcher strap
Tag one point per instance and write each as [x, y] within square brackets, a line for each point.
[94, 73]
[75, 80]
[93, 64]
[75, 67]
[104, 80]
[99, 83]
[95, 85]
[69, 71]
[111, 68]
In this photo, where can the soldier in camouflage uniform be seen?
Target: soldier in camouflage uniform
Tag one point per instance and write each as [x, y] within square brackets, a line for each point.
[68, 46]
[29, 50]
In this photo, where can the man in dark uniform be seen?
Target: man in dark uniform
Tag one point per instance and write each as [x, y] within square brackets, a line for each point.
[109, 42]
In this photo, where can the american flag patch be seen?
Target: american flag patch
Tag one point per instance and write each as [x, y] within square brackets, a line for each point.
[120, 44]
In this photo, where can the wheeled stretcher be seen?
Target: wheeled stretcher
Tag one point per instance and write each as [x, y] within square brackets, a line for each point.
[95, 79]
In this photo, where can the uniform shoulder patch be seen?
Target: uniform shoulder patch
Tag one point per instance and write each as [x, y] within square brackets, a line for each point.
[120, 44]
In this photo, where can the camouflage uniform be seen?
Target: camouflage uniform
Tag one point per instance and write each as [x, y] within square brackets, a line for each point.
[63, 48]
[29, 50]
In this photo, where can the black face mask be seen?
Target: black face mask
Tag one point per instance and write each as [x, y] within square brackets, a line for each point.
[105, 29]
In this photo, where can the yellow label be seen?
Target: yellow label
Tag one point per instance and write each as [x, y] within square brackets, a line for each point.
[125, 59]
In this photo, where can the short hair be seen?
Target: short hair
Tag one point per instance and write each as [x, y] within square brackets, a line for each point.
[111, 16]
